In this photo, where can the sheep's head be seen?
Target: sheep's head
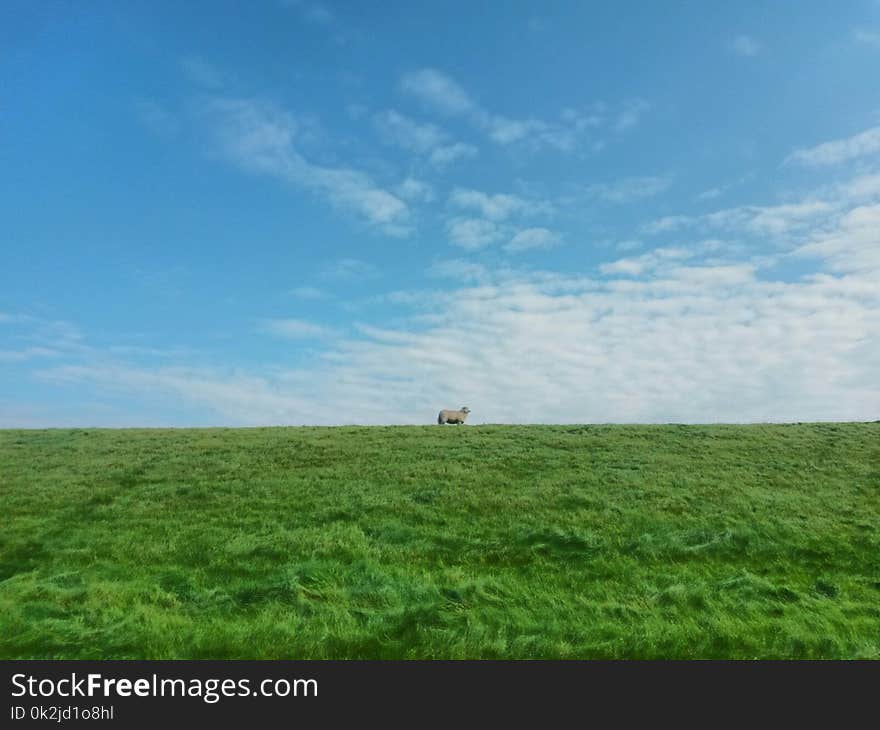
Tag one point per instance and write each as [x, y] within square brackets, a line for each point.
[465, 409]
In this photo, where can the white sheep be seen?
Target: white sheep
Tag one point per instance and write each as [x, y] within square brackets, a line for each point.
[453, 416]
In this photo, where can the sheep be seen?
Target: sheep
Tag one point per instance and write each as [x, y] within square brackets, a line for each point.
[453, 416]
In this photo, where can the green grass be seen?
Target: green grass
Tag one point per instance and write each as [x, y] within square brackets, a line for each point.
[441, 542]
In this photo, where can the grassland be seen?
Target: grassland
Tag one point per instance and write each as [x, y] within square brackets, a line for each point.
[441, 542]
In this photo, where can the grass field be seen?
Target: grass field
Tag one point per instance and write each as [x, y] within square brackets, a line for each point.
[441, 542]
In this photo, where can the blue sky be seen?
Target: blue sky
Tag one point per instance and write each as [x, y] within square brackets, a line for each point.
[290, 212]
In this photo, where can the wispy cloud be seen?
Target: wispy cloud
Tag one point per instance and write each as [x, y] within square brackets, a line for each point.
[631, 114]
[318, 13]
[260, 137]
[309, 293]
[473, 233]
[629, 189]
[769, 220]
[694, 343]
[853, 246]
[27, 353]
[415, 190]
[648, 262]
[836, 224]
[744, 45]
[157, 118]
[710, 193]
[497, 207]
[294, 329]
[533, 238]
[688, 333]
[867, 37]
[839, 150]
[329, 18]
[202, 73]
[244, 399]
[424, 139]
[349, 269]
[29, 340]
[54, 334]
[450, 153]
[488, 218]
[396, 128]
[442, 94]
[313, 12]
[719, 190]
[459, 269]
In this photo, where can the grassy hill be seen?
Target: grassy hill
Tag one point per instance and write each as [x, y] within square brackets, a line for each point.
[422, 542]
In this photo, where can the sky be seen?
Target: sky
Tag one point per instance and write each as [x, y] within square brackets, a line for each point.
[297, 212]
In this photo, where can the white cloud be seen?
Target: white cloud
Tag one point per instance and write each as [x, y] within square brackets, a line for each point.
[496, 212]
[710, 194]
[854, 244]
[496, 207]
[631, 115]
[867, 37]
[693, 343]
[463, 271]
[679, 334]
[840, 150]
[244, 399]
[630, 244]
[630, 189]
[624, 267]
[155, 117]
[439, 92]
[666, 224]
[532, 238]
[773, 220]
[447, 154]
[349, 269]
[505, 131]
[776, 219]
[202, 73]
[648, 262]
[744, 45]
[356, 111]
[309, 292]
[424, 139]
[261, 138]
[318, 13]
[719, 190]
[27, 353]
[294, 329]
[415, 190]
[396, 128]
[858, 189]
[313, 12]
[473, 233]
[48, 334]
